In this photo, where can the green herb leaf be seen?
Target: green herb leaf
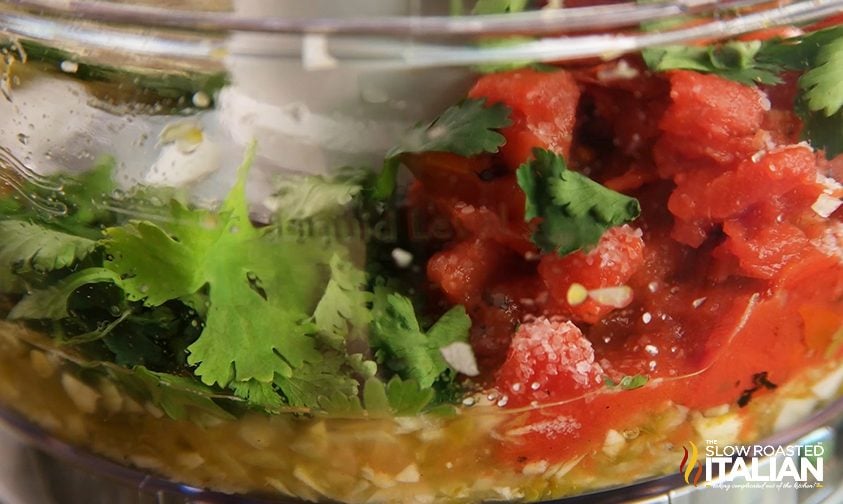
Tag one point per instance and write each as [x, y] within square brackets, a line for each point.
[738, 61]
[467, 129]
[627, 382]
[407, 397]
[309, 196]
[820, 104]
[344, 311]
[259, 394]
[821, 84]
[262, 286]
[51, 303]
[28, 247]
[327, 385]
[408, 350]
[574, 210]
[397, 397]
[176, 395]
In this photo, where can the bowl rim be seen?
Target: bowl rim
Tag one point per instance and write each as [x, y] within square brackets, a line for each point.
[535, 22]
[391, 42]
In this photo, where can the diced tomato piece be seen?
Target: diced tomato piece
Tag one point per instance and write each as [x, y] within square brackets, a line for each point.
[821, 322]
[464, 270]
[613, 261]
[543, 108]
[548, 361]
[765, 251]
[701, 196]
[504, 228]
[478, 200]
[710, 118]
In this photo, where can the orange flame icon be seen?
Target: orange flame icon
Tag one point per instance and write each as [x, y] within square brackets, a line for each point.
[689, 461]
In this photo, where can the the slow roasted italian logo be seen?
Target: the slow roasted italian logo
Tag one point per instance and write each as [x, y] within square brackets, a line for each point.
[690, 460]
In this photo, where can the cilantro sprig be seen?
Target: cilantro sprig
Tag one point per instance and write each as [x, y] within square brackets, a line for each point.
[466, 129]
[277, 320]
[574, 211]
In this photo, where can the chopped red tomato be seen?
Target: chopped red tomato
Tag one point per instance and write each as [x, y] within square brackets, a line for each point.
[612, 262]
[543, 104]
[464, 270]
[711, 121]
[548, 361]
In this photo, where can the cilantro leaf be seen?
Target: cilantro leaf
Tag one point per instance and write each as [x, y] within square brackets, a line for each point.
[85, 195]
[824, 132]
[820, 103]
[168, 267]
[322, 385]
[627, 382]
[743, 62]
[396, 397]
[344, 309]
[258, 393]
[178, 396]
[262, 286]
[467, 129]
[407, 397]
[51, 303]
[308, 196]
[574, 210]
[823, 95]
[28, 247]
[406, 348]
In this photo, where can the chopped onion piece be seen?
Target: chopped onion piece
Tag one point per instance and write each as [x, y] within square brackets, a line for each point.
[617, 297]
[826, 205]
[461, 358]
[577, 294]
